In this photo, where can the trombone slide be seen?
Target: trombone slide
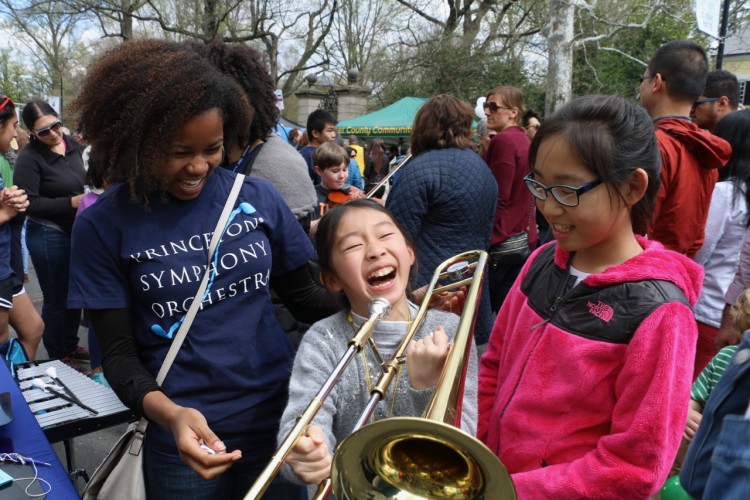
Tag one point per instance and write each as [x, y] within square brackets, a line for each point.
[378, 309]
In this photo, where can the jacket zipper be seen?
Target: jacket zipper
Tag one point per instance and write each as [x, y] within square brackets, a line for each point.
[564, 291]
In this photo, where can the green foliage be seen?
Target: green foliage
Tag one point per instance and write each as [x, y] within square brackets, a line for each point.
[442, 66]
[601, 71]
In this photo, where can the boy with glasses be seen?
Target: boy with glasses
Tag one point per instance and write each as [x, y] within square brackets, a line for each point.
[691, 157]
[720, 97]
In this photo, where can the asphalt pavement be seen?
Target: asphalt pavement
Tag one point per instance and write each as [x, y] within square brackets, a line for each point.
[89, 449]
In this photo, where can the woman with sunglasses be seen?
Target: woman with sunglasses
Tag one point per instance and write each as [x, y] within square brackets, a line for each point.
[50, 170]
[508, 159]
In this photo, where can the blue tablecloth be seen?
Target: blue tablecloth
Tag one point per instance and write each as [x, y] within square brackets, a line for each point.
[29, 440]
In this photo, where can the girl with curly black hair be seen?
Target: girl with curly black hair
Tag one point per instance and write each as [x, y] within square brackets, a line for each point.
[159, 119]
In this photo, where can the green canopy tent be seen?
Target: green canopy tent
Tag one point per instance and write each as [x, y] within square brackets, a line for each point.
[391, 121]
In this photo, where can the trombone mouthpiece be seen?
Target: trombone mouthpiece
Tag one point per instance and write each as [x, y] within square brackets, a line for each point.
[379, 308]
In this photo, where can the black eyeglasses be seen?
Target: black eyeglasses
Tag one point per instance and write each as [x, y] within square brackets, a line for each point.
[642, 78]
[568, 196]
[54, 126]
[705, 99]
[492, 106]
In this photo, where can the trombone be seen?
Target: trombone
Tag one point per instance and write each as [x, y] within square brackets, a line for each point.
[428, 457]
[408, 457]
[378, 309]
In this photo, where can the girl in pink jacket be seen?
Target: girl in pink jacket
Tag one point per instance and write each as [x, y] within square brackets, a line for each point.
[583, 390]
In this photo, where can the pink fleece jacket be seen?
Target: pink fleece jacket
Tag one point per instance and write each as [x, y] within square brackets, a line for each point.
[572, 416]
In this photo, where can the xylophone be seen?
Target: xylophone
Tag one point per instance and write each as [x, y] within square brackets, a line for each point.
[61, 419]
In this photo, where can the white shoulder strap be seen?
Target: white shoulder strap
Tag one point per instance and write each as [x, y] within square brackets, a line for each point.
[195, 305]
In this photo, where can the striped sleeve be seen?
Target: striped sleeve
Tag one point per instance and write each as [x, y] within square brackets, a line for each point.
[710, 375]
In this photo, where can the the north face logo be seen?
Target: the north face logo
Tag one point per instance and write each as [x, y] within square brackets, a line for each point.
[601, 311]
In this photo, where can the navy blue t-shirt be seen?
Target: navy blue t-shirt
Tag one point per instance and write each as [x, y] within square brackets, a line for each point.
[235, 362]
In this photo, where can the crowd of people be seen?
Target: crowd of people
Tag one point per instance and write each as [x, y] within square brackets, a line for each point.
[615, 239]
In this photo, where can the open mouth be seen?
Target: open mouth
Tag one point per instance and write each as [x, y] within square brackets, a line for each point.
[562, 228]
[193, 183]
[382, 277]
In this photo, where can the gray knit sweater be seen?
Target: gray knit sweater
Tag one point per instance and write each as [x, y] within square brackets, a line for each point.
[321, 349]
[281, 165]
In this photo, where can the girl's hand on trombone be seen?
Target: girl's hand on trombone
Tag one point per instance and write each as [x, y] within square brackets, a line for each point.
[447, 301]
[451, 301]
[425, 359]
[310, 458]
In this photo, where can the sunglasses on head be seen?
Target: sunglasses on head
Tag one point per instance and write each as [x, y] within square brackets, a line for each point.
[54, 126]
[5, 102]
[493, 106]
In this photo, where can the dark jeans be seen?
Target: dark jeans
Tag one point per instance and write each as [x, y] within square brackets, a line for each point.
[501, 281]
[730, 463]
[179, 482]
[50, 253]
[95, 353]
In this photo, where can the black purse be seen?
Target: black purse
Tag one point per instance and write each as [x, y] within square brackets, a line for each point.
[515, 249]
[511, 252]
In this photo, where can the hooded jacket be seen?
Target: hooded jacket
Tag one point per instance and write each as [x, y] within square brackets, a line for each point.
[583, 391]
[690, 159]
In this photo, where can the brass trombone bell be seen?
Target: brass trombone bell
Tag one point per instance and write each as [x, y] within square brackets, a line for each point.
[414, 458]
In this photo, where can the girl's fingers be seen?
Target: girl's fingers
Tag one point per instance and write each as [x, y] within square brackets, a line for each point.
[316, 434]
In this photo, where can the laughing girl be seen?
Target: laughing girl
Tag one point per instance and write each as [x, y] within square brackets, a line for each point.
[364, 253]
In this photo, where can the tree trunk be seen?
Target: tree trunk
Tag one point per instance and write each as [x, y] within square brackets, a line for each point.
[559, 34]
[126, 19]
[210, 22]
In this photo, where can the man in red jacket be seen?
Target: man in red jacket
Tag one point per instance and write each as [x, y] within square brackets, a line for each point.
[690, 157]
